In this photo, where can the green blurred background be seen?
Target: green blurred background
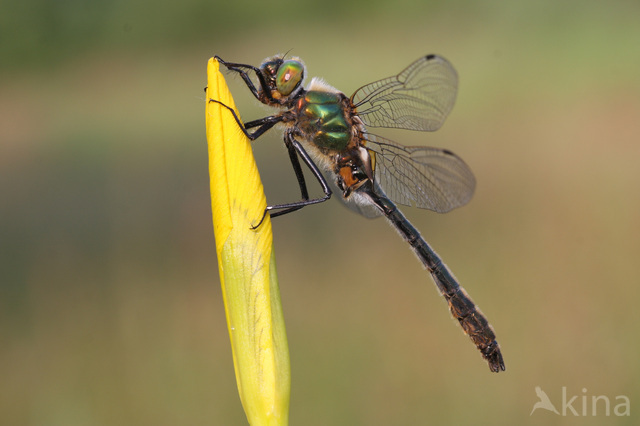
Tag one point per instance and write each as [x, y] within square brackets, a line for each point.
[110, 304]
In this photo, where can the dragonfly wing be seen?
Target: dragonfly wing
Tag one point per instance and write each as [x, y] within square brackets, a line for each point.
[419, 98]
[429, 178]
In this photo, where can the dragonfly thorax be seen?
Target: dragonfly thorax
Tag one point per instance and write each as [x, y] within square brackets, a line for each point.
[323, 120]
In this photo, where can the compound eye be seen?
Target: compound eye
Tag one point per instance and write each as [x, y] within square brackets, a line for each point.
[289, 76]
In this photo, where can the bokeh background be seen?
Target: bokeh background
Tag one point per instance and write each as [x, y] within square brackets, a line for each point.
[110, 304]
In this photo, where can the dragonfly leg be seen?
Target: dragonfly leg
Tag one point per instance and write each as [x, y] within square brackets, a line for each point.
[295, 149]
[295, 163]
[241, 69]
[262, 124]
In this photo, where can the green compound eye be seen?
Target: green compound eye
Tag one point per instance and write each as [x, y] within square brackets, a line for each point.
[289, 76]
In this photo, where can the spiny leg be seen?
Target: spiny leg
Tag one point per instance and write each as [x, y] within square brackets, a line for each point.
[231, 66]
[263, 124]
[295, 163]
[294, 147]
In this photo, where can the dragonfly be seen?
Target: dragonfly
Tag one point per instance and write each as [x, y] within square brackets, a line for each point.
[328, 131]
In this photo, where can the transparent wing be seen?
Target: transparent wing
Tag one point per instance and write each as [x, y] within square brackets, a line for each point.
[419, 98]
[429, 178]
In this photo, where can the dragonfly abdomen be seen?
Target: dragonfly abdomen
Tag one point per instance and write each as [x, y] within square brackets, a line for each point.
[476, 326]
[471, 319]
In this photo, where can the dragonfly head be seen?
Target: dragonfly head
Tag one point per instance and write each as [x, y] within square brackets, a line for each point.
[284, 78]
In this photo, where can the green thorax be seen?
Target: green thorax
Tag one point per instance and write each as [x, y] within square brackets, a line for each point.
[322, 118]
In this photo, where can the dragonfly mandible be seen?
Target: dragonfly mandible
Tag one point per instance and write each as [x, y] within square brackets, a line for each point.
[329, 132]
